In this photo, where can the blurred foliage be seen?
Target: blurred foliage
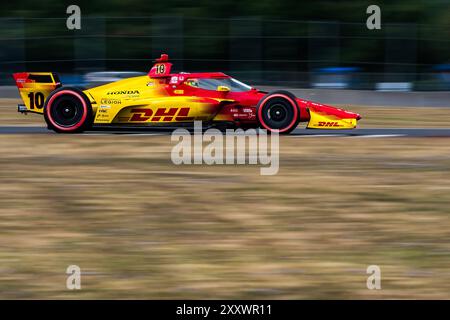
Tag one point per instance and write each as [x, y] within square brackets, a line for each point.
[419, 11]
[283, 42]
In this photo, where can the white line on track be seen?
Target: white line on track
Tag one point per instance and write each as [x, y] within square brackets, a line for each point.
[93, 134]
[121, 134]
[317, 135]
[350, 136]
[142, 134]
[379, 136]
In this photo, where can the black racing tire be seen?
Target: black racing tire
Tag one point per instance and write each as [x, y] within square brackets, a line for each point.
[68, 110]
[278, 112]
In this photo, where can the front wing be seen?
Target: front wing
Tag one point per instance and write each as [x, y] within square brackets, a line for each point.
[321, 120]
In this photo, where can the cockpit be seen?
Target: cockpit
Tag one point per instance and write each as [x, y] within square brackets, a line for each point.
[214, 83]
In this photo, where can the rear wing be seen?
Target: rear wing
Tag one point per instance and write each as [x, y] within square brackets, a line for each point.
[34, 88]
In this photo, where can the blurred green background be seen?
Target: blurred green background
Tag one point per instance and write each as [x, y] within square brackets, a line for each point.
[288, 42]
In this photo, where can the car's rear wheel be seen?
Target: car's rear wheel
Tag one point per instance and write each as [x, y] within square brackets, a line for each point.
[278, 112]
[68, 110]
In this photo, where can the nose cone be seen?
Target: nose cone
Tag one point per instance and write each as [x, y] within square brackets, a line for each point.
[349, 114]
[338, 112]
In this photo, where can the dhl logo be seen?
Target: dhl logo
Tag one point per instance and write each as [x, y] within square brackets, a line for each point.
[161, 114]
[328, 124]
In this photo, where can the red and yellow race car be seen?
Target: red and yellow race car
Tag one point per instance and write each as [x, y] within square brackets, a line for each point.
[172, 99]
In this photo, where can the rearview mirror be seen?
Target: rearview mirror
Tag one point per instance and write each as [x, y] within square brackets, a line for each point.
[223, 89]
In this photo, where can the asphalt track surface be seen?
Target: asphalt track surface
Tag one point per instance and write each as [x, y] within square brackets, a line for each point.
[299, 132]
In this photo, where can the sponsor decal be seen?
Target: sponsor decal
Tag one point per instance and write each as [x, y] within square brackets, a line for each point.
[110, 101]
[102, 112]
[123, 92]
[176, 79]
[328, 124]
[161, 114]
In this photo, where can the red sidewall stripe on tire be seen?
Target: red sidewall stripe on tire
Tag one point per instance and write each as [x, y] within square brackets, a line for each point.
[294, 105]
[71, 128]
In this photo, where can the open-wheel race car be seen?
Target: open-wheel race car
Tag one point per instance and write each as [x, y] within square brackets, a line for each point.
[162, 98]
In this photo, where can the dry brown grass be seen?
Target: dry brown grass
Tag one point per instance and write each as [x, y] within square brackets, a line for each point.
[9, 115]
[140, 227]
[402, 117]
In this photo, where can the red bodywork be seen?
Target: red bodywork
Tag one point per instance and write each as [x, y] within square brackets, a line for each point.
[238, 107]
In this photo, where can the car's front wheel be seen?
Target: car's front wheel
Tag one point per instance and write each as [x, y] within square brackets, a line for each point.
[68, 110]
[278, 112]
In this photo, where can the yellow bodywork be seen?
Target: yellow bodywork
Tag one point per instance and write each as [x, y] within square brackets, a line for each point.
[143, 100]
[326, 121]
[34, 94]
[137, 100]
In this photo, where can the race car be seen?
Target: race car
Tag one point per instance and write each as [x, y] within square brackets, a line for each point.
[162, 98]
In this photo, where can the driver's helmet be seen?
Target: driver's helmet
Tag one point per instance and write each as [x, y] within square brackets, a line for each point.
[192, 82]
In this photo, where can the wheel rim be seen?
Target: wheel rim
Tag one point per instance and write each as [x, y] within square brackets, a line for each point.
[277, 113]
[67, 111]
